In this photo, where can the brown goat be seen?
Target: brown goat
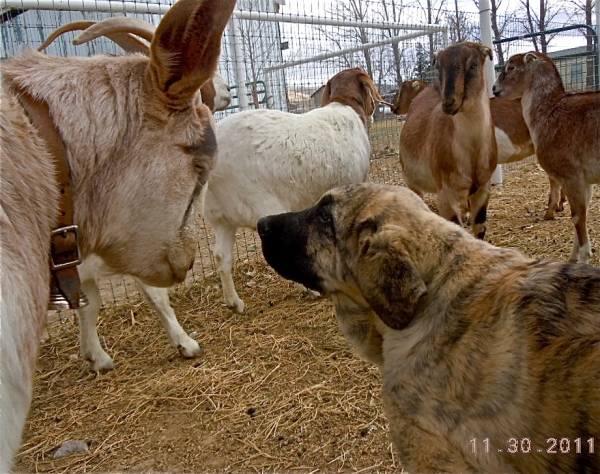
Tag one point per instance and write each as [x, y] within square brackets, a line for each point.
[447, 145]
[512, 135]
[405, 94]
[565, 129]
[140, 152]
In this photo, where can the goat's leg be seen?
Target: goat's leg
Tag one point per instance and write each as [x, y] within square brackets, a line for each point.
[556, 199]
[91, 350]
[452, 204]
[579, 201]
[159, 300]
[479, 204]
[223, 252]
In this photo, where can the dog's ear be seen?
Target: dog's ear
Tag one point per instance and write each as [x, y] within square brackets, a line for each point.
[388, 279]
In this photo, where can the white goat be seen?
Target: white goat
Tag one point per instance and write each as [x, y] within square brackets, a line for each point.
[272, 162]
[565, 129]
[139, 150]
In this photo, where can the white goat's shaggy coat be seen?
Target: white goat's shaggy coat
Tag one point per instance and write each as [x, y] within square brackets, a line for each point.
[272, 162]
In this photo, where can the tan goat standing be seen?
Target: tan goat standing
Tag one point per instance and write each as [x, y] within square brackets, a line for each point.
[448, 146]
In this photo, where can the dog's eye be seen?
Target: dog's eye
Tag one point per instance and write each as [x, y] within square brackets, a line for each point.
[323, 217]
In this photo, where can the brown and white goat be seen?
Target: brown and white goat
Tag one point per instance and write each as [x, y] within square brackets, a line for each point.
[565, 129]
[140, 152]
[124, 31]
[272, 161]
[512, 135]
[448, 146]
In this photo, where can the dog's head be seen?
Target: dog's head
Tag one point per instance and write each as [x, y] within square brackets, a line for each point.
[366, 241]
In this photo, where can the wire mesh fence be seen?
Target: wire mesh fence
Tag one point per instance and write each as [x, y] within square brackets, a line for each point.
[280, 55]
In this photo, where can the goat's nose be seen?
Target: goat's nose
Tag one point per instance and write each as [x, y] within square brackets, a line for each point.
[263, 226]
[495, 90]
[449, 103]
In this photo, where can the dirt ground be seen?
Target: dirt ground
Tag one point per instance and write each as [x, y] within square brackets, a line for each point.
[278, 389]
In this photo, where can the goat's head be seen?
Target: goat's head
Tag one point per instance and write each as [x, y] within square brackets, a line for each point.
[140, 146]
[462, 75]
[216, 94]
[517, 74]
[353, 87]
[407, 91]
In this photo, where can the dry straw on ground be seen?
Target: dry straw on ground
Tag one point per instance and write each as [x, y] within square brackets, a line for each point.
[278, 389]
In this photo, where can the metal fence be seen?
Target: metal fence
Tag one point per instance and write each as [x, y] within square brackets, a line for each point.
[280, 55]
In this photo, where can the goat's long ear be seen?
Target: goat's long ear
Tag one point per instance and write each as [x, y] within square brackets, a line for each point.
[326, 97]
[186, 47]
[388, 278]
[368, 83]
[529, 57]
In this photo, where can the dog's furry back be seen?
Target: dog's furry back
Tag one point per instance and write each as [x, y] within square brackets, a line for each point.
[475, 343]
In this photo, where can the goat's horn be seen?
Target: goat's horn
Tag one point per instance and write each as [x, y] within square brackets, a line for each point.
[76, 25]
[117, 25]
[126, 41]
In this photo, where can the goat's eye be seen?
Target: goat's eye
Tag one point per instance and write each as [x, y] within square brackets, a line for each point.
[474, 66]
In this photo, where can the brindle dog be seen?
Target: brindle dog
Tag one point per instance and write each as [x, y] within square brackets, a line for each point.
[490, 360]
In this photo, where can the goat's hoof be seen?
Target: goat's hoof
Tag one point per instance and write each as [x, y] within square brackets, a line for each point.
[237, 306]
[99, 363]
[549, 216]
[190, 349]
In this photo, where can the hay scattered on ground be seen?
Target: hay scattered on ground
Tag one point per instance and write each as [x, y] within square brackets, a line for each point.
[278, 388]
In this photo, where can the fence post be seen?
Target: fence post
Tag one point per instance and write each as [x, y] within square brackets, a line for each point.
[485, 24]
[238, 61]
[598, 45]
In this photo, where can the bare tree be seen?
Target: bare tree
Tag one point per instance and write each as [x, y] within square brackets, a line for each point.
[391, 11]
[539, 20]
[434, 9]
[461, 27]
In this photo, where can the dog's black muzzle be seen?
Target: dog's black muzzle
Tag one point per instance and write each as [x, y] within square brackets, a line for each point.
[284, 239]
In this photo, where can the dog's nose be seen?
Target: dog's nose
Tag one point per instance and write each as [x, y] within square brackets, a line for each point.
[263, 226]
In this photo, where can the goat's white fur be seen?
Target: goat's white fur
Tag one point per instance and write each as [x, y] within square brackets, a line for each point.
[222, 93]
[272, 162]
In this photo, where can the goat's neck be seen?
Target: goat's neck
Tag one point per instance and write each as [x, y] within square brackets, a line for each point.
[92, 101]
[540, 97]
[356, 106]
[476, 120]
